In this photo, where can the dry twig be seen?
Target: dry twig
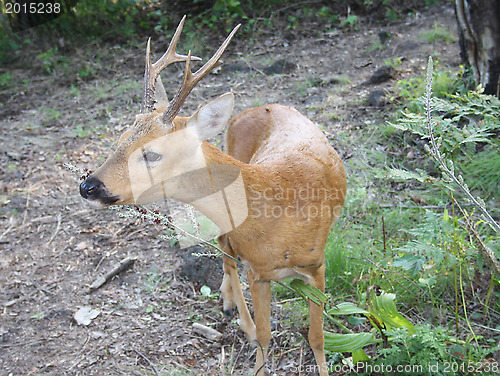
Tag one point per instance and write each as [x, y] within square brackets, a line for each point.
[122, 266]
[147, 360]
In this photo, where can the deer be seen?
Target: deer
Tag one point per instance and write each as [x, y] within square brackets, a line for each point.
[274, 192]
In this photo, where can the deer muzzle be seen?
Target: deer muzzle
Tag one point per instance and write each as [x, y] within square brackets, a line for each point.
[94, 190]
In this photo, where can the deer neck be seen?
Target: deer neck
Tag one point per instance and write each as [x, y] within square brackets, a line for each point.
[218, 189]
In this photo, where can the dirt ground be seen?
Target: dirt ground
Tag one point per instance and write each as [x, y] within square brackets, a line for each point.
[53, 246]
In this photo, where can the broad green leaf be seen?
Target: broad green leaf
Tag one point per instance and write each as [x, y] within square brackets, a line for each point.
[359, 356]
[409, 262]
[355, 320]
[206, 291]
[346, 308]
[348, 342]
[403, 175]
[428, 282]
[308, 291]
[383, 306]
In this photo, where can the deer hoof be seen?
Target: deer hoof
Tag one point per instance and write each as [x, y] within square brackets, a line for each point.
[229, 312]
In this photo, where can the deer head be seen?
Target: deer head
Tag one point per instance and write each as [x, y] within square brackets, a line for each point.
[160, 146]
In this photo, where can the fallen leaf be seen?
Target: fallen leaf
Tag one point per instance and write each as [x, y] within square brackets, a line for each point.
[85, 315]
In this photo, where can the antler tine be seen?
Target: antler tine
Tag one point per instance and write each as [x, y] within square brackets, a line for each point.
[148, 89]
[214, 60]
[152, 71]
[191, 79]
[171, 56]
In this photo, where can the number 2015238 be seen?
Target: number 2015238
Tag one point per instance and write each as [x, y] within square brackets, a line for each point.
[33, 8]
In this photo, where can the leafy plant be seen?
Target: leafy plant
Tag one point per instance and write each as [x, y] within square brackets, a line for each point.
[452, 128]
[327, 14]
[444, 82]
[98, 18]
[153, 281]
[430, 351]
[438, 34]
[53, 62]
[381, 312]
[308, 291]
[206, 292]
[5, 79]
[383, 316]
[411, 88]
[434, 243]
[81, 132]
[228, 10]
[350, 21]
[50, 115]
[86, 71]
[459, 123]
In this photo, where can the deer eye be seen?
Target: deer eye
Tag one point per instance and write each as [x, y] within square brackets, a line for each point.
[151, 156]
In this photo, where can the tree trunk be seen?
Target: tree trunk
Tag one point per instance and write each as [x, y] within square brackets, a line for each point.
[479, 32]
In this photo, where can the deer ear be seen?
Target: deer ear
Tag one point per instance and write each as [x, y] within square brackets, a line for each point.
[212, 118]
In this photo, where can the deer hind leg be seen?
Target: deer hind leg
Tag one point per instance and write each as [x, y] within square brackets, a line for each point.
[261, 297]
[316, 336]
[232, 295]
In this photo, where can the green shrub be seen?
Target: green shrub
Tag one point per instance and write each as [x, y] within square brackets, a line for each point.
[431, 351]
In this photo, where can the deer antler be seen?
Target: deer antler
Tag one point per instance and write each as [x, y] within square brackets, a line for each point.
[191, 79]
[152, 81]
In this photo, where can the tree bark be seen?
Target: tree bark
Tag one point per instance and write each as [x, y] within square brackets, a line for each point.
[479, 32]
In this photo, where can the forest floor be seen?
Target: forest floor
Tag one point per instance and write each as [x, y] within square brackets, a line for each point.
[53, 246]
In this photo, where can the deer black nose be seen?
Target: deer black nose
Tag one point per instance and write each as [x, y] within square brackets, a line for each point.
[94, 189]
[91, 188]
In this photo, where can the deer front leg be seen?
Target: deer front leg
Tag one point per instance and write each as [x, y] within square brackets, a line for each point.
[261, 297]
[228, 302]
[232, 295]
[316, 336]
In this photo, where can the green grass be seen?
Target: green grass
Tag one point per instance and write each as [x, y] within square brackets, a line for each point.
[384, 229]
[381, 233]
[438, 34]
[50, 115]
[6, 80]
[482, 171]
[445, 82]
